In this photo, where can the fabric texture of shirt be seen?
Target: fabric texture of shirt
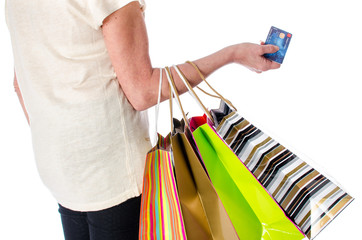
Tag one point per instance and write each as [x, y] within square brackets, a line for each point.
[88, 141]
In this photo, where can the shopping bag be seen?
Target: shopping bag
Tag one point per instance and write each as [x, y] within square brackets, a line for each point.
[160, 216]
[309, 198]
[203, 213]
[253, 212]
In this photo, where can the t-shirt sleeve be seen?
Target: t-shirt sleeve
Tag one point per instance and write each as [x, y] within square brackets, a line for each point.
[99, 10]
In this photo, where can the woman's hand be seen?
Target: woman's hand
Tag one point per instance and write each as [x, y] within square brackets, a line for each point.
[252, 57]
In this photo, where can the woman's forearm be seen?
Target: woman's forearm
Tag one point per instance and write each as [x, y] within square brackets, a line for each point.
[247, 54]
[207, 65]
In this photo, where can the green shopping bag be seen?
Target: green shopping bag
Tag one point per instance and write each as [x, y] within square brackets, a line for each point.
[253, 212]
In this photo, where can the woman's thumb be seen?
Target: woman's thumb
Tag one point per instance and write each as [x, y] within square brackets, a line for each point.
[269, 48]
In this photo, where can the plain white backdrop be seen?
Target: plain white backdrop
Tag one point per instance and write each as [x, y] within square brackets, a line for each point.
[312, 104]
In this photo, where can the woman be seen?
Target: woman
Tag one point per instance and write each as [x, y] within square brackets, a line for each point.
[85, 77]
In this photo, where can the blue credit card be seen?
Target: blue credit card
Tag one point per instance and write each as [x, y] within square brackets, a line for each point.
[281, 39]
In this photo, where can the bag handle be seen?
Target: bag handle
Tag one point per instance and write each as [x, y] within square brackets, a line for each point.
[173, 91]
[191, 92]
[204, 79]
[157, 107]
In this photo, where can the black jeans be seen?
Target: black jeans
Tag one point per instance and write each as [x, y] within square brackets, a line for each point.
[115, 223]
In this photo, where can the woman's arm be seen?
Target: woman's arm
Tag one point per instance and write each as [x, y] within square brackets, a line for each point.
[127, 43]
[17, 90]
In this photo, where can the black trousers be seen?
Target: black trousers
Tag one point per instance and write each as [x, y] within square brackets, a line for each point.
[115, 223]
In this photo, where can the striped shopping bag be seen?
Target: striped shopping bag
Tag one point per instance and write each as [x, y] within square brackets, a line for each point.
[160, 216]
[309, 198]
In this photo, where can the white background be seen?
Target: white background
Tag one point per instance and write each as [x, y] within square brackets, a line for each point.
[312, 104]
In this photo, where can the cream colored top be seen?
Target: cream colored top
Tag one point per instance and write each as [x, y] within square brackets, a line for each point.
[89, 143]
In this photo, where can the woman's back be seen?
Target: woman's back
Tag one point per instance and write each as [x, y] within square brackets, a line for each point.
[83, 127]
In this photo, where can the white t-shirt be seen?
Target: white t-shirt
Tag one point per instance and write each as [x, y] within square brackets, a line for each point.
[89, 143]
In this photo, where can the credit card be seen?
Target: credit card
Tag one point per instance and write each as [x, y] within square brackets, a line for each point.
[281, 39]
